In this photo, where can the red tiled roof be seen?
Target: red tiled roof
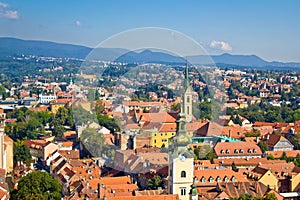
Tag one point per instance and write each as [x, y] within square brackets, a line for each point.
[236, 149]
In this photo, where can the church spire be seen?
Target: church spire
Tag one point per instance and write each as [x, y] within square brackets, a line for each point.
[187, 81]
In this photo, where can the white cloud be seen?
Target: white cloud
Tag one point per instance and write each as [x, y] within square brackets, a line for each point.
[3, 5]
[6, 13]
[9, 14]
[221, 45]
[77, 23]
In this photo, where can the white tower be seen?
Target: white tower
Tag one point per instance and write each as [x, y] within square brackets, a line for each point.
[181, 162]
[188, 97]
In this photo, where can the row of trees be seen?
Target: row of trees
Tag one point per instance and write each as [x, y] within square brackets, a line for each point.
[267, 113]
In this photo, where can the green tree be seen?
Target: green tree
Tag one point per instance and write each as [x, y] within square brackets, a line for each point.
[93, 142]
[270, 196]
[263, 146]
[22, 153]
[3, 93]
[211, 155]
[154, 183]
[37, 185]
[233, 167]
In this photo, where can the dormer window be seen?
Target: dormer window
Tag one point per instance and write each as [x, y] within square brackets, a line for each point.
[233, 179]
[222, 151]
[227, 151]
[249, 151]
[226, 179]
[211, 179]
[203, 180]
[196, 180]
[236, 151]
[254, 151]
[241, 151]
[219, 179]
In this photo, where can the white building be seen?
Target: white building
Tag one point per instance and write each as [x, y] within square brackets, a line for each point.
[45, 99]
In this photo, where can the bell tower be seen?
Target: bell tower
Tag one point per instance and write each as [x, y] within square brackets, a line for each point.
[181, 161]
[188, 97]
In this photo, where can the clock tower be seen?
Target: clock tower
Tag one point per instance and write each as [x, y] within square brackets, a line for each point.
[181, 161]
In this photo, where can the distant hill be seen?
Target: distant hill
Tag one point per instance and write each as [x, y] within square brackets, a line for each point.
[13, 46]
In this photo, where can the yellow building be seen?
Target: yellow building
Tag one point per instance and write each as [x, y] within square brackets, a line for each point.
[59, 103]
[295, 183]
[165, 133]
[269, 179]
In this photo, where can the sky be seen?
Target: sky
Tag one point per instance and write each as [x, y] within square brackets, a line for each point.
[268, 29]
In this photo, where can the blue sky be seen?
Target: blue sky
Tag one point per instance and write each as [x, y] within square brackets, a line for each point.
[269, 29]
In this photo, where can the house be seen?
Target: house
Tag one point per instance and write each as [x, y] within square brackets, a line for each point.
[59, 103]
[283, 178]
[45, 99]
[4, 190]
[263, 93]
[9, 154]
[47, 149]
[277, 142]
[239, 150]
[204, 177]
[65, 146]
[36, 147]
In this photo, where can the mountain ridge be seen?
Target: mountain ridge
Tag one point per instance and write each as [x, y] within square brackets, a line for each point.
[14, 46]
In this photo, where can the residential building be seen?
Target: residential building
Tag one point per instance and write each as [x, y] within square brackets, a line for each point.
[245, 150]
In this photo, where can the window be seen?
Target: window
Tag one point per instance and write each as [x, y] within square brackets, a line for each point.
[249, 151]
[254, 150]
[222, 151]
[196, 180]
[219, 179]
[188, 110]
[183, 174]
[233, 179]
[171, 172]
[154, 141]
[241, 151]
[203, 179]
[236, 151]
[227, 151]
[211, 179]
[183, 191]
[226, 179]
[188, 99]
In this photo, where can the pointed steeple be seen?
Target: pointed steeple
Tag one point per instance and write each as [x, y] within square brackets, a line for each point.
[187, 80]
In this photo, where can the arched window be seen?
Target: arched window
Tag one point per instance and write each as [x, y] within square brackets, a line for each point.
[188, 110]
[188, 99]
[183, 174]
[233, 179]
[226, 179]
[203, 179]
